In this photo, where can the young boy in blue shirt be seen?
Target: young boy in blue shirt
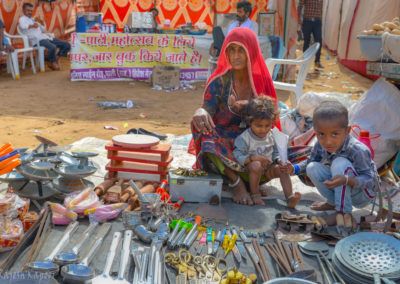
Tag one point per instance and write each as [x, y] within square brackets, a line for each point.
[340, 166]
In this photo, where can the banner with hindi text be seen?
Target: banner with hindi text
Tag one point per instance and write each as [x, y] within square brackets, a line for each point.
[104, 56]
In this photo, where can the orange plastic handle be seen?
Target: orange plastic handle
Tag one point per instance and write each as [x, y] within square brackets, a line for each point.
[10, 167]
[6, 161]
[6, 151]
[198, 220]
[5, 146]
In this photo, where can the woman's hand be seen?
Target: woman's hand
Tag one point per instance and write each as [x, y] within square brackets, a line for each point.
[202, 121]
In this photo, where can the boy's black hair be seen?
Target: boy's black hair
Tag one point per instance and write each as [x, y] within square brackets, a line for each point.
[26, 4]
[331, 110]
[263, 107]
[246, 5]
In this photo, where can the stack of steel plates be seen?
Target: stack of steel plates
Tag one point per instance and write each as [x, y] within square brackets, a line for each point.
[368, 258]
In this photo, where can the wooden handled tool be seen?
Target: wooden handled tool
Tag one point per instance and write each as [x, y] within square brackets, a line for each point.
[113, 194]
[323, 223]
[102, 188]
[317, 223]
[133, 201]
[340, 224]
[129, 192]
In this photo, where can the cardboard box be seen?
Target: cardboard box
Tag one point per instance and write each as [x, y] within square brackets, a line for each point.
[166, 76]
[194, 189]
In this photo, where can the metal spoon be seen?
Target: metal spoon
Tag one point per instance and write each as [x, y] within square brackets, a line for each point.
[79, 273]
[47, 265]
[124, 258]
[105, 276]
[72, 255]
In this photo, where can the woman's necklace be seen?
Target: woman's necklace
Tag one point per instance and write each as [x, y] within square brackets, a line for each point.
[242, 124]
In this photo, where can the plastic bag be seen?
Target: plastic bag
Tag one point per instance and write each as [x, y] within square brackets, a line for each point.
[62, 215]
[29, 219]
[377, 111]
[104, 213]
[11, 233]
[12, 205]
[289, 127]
[80, 201]
[281, 142]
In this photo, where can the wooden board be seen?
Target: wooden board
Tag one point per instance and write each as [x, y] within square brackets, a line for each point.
[135, 141]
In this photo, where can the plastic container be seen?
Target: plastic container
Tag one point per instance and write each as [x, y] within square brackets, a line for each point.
[371, 47]
[365, 137]
[390, 45]
[11, 234]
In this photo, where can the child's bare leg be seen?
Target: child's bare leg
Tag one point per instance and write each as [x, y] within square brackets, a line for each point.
[292, 199]
[255, 170]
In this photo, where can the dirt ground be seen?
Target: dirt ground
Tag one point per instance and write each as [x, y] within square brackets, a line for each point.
[48, 104]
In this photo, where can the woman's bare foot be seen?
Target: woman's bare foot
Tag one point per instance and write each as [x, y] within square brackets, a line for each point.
[241, 196]
[257, 199]
[293, 200]
[322, 206]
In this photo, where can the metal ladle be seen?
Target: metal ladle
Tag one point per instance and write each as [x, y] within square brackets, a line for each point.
[105, 278]
[80, 273]
[47, 265]
[72, 255]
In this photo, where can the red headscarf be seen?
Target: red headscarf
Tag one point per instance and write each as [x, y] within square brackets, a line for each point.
[260, 80]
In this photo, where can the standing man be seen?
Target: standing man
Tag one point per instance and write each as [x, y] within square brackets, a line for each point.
[312, 23]
[34, 28]
[243, 12]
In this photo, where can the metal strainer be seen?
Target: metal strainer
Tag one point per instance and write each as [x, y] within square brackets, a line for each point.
[371, 253]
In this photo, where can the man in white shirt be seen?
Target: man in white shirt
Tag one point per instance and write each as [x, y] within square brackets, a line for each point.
[243, 12]
[34, 28]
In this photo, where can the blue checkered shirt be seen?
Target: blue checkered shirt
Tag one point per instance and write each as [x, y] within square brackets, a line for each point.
[356, 152]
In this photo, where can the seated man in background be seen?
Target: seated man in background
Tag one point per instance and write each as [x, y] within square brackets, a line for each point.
[34, 28]
[4, 44]
[243, 12]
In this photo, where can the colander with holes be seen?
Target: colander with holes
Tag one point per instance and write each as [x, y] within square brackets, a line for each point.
[370, 255]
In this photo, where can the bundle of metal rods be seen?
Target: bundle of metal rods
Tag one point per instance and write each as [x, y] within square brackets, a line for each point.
[286, 255]
[261, 267]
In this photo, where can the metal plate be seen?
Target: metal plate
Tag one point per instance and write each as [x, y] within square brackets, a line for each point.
[11, 176]
[135, 140]
[32, 173]
[76, 171]
[314, 246]
[58, 149]
[84, 154]
[42, 165]
[313, 252]
[371, 253]
[66, 185]
[348, 275]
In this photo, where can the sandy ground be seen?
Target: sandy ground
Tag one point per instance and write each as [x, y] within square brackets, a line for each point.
[48, 104]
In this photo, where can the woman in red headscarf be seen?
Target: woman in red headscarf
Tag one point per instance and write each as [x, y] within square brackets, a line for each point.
[241, 75]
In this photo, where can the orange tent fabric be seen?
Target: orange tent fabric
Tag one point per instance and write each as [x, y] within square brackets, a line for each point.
[179, 12]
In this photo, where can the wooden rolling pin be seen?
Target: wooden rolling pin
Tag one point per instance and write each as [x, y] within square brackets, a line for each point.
[133, 201]
[102, 188]
[129, 192]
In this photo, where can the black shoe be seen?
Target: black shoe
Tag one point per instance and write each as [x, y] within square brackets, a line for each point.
[155, 134]
[318, 65]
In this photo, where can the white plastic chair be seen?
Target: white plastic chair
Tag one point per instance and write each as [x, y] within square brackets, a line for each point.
[12, 58]
[10, 67]
[305, 61]
[39, 50]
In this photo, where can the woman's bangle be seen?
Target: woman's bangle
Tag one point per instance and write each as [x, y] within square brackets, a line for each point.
[296, 169]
